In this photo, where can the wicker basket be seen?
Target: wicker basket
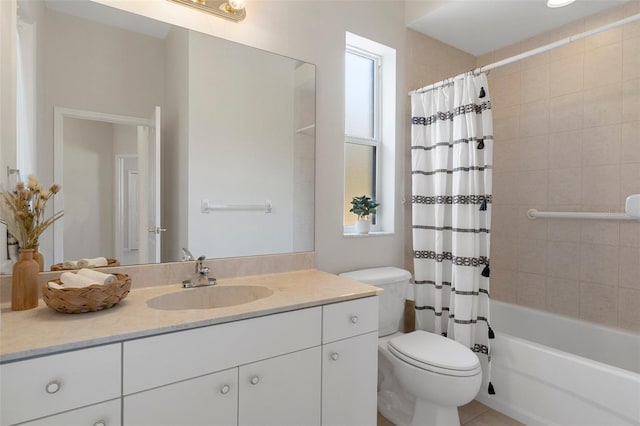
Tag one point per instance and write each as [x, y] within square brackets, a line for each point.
[60, 267]
[86, 299]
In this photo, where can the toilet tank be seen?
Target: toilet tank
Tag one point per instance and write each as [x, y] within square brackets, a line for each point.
[394, 282]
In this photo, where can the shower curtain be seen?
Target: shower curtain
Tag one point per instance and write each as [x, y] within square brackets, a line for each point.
[451, 152]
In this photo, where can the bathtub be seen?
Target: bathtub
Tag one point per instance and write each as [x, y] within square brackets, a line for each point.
[553, 370]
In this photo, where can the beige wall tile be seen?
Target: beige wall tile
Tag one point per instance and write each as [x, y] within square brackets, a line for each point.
[565, 150]
[630, 142]
[568, 50]
[532, 256]
[601, 145]
[629, 235]
[563, 297]
[532, 229]
[567, 231]
[506, 157]
[603, 66]
[600, 232]
[564, 260]
[629, 181]
[629, 309]
[534, 119]
[606, 37]
[532, 187]
[504, 221]
[532, 290]
[503, 285]
[505, 90]
[602, 105]
[533, 153]
[599, 303]
[566, 112]
[631, 58]
[630, 267]
[505, 123]
[599, 263]
[631, 100]
[566, 75]
[504, 253]
[565, 186]
[505, 188]
[601, 185]
[534, 84]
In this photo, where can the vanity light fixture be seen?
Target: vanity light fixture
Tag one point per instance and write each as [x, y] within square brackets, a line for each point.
[232, 10]
[559, 3]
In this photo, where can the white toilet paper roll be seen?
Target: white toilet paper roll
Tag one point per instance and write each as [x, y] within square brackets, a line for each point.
[632, 205]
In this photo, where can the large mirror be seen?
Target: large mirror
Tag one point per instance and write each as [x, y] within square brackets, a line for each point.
[106, 91]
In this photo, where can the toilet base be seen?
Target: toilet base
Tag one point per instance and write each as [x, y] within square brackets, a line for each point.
[428, 413]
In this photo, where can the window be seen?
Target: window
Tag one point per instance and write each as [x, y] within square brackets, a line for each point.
[369, 148]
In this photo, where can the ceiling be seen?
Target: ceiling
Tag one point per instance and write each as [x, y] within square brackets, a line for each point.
[481, 26]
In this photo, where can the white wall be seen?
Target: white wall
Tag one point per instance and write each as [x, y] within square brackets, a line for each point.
[88, 164]
[314, 31]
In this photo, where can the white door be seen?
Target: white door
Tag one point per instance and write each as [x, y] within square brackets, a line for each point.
[281, 391]
[349, 381]
[149, 201]
[205, 400]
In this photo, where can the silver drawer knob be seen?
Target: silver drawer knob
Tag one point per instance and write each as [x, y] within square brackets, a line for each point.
[335, 356]
[255, 380]
[354, 319]
[225, 389]
[53, 386]
[100, 423]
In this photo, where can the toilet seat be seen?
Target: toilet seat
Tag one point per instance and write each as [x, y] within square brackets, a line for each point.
[435, 353]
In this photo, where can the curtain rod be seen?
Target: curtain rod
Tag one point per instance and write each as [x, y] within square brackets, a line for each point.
[531, 52]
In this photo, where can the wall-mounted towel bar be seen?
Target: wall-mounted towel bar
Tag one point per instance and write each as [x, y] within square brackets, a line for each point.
[535, 214]
[206, 207]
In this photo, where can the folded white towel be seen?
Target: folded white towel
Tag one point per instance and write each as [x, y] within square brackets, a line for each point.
[96, 276]
[55, 285]
[92, 263]
[71, 280]
[70, 264]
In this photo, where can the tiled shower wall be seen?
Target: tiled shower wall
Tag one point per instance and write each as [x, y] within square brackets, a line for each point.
[567, 138]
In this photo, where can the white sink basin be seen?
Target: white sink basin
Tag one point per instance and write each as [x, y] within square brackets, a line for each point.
[209, 297]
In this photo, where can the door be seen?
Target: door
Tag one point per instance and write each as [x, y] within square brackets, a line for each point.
[349, 381]
[281, 391]
[149, 199]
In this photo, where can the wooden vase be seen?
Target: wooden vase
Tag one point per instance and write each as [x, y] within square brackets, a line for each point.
[24, 286]
[37, 256]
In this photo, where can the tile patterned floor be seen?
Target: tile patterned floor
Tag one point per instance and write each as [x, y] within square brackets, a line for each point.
[473, 414]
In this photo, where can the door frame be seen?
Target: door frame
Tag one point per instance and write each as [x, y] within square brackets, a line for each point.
[59, 115]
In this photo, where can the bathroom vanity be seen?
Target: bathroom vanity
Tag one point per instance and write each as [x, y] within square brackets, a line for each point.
[305, 355]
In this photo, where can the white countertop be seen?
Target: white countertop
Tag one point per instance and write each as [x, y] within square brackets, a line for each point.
[42, 330]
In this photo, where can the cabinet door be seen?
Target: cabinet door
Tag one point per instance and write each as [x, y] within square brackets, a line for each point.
[206, 400]
[349, 381]
[281, 391]
[104, 414]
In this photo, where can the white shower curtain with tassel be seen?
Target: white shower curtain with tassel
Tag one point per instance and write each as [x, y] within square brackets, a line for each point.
[451, 151]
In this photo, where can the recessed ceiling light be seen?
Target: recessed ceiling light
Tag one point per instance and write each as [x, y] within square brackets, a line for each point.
[559, 3]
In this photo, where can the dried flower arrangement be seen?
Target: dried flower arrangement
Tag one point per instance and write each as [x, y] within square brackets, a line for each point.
[24, 211]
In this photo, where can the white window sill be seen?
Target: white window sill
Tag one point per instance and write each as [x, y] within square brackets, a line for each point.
[370, 234]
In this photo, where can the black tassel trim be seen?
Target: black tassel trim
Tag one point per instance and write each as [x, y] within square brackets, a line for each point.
[483, 205]
[491, 333]
[491, 390]
[480, 143]
[486, 272]
[482, 93]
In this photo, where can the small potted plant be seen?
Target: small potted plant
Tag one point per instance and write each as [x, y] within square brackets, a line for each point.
[363, 206]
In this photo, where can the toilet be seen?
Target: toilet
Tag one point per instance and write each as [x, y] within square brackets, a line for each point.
[422, 377]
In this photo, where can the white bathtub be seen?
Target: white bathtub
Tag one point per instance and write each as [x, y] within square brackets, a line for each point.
[553, 370]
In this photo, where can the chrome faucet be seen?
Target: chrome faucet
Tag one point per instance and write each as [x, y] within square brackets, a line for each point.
[201, 277]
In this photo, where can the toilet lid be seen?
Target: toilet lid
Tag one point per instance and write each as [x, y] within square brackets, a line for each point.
[436, 353]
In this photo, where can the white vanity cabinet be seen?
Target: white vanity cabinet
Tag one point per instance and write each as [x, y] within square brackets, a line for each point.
[275, 360]
[350, 363]
[103, 414]
[44, 386]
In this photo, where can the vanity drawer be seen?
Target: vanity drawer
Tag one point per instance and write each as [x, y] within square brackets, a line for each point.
[159, 360]
[351, 318]
[103, 414]
[51, 384]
